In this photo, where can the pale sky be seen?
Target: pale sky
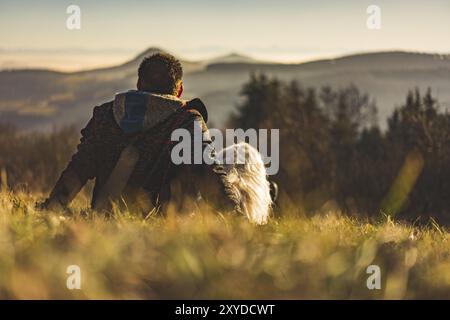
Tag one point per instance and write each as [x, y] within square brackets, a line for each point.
[34, 33]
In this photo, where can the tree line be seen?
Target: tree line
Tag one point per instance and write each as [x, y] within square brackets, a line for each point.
[333, 152]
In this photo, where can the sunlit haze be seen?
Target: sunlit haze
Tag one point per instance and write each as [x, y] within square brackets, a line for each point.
[35, 35]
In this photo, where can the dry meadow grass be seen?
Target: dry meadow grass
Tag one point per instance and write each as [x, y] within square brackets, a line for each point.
[207, 255]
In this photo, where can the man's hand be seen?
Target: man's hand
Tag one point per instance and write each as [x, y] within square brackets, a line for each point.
[49, 205]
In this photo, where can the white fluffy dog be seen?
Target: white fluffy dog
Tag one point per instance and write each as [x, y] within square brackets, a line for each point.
[248, 179]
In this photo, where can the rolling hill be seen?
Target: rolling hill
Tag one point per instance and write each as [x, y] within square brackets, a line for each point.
[42, 99]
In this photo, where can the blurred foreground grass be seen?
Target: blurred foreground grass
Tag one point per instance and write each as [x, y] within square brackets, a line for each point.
[209, 256]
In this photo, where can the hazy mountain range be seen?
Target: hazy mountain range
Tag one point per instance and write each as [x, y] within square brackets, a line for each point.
[42, 99]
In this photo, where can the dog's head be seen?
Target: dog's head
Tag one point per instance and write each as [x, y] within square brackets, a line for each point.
[247, 176]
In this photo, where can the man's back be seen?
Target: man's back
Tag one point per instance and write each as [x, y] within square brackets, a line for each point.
[126, 147]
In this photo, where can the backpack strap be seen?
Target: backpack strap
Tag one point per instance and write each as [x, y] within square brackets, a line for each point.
[118, 178]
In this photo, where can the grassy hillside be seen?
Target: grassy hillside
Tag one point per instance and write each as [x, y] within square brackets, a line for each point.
[206, 255]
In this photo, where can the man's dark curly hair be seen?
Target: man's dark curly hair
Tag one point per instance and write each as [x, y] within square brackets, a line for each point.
[160, 73]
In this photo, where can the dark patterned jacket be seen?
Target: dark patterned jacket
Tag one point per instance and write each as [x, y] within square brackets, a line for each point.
[135, 130]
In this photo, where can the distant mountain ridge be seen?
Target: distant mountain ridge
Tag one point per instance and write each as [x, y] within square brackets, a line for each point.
[41, 99]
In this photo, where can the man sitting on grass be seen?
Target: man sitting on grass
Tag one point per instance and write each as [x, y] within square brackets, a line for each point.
[126, 146]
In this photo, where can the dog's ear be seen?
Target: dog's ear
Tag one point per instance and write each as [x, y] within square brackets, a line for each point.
[197, 104]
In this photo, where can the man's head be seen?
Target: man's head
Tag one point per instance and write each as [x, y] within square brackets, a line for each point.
[161, 73]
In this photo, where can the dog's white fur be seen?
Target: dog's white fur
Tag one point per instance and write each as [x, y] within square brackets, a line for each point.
[247, 176]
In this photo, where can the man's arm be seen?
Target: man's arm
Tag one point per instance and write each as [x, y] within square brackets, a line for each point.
[80, 169]
[209, 179]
